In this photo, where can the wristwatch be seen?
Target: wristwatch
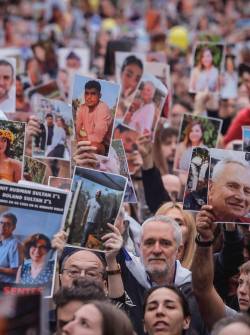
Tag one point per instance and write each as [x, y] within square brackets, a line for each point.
[113, 272]
[203, 243]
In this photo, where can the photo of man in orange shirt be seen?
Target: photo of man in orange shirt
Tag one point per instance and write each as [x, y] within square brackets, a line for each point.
[94, 119]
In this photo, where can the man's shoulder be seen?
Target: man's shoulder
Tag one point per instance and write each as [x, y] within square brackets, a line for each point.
[12, 241]
[103, 107]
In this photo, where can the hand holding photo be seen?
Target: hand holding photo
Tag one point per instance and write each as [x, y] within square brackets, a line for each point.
[97, 198]
[94, 107]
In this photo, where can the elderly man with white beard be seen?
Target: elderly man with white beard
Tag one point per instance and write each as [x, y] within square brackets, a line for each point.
[161, 241]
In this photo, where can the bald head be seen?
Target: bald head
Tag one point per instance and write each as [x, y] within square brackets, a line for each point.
[79, 264]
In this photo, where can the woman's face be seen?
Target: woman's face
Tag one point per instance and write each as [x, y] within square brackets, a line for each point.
[130, 77]
[195, 136]
[3, 144]
[176, 214]
[38, 251]
[87, 321]
[147, 93]
[164, 313]
[207, 59]
[40, 53]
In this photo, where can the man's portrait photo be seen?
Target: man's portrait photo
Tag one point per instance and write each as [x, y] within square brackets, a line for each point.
[94, 104]
[229, 185]
[7, 86]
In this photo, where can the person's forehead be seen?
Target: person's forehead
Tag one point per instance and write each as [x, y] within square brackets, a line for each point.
[157, 228]
[245, 276]
[91, 90]
[84, 258]
[66, 311]
[6, 220]
[235, 172]
[163, 294]
[5, 69]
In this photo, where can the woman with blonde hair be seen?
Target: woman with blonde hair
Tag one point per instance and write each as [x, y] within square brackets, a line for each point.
[187, 224]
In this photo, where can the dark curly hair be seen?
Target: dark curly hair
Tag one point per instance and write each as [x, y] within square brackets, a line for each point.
[32, 240]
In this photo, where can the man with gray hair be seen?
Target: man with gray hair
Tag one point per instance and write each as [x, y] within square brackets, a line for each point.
[229, 190]
[160, 244]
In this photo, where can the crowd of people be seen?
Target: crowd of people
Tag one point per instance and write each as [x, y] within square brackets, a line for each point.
[164, 270]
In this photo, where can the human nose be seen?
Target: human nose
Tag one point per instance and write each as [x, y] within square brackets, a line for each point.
[68, 328]
[157, 248]
[160, 310]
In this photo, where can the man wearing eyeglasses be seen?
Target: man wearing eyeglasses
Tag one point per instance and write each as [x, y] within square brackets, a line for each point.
[9, 249]
[80, 264]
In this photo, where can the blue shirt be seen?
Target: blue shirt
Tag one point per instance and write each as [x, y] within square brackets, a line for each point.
[9, 258]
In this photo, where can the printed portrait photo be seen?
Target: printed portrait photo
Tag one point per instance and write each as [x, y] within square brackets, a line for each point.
[28, 223]
[205, 73]
[129, 68]
[56, 125]
[145, 109]
[195, 131]
[74, 60]
[129, 138]
[96, 200]
[229, 79]
[12, 142]
[8, 86]
[229, 185]
[94, 104]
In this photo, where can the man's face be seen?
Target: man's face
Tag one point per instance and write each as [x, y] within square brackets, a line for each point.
[92, 97]
[243, 292]
[168, 148]
[6, 227]
[176, 115]
[158, 248]
[65, 314]
[230, 194]
[98, 194]
[49, 120]
[6, 81]
[80, 264]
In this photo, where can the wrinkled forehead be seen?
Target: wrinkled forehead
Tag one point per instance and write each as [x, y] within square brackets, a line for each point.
[154, 229]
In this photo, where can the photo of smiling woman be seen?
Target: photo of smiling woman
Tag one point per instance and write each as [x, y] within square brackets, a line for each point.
[195, 132]
[37, 268]
[193, 138]
[10, 169]
[205, 73]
